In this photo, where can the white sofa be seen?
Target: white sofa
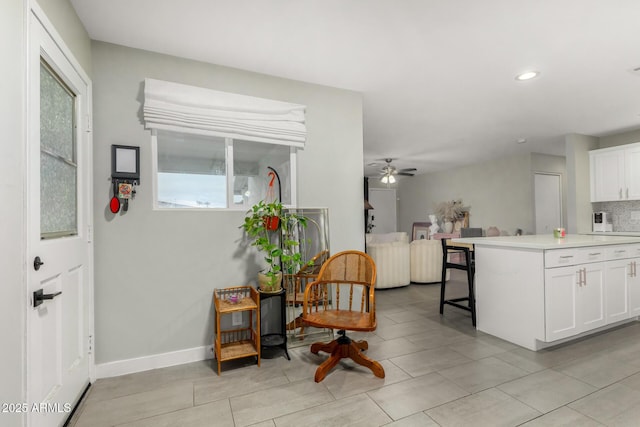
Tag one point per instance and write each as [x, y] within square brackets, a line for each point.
[390, 252]
[426, 261]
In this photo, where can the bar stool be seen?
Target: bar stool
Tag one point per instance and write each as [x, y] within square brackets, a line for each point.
[451, 251]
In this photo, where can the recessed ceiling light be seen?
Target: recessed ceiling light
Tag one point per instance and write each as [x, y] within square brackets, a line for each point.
[521, 140]
[528, 75]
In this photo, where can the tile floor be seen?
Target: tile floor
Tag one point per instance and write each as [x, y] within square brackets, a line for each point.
[439, 371]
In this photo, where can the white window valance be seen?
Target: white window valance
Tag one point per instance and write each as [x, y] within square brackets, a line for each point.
[184, 108]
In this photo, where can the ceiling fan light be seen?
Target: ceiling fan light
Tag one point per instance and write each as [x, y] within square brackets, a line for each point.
[388, 179]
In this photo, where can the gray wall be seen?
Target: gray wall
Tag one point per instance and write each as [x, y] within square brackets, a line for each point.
[577, 149]
[68, 25]
[13, 300]
[499, 192]
[155, 270]
[619, 139]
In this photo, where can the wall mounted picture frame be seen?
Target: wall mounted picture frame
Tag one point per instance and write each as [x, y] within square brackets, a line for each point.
[420, 230]
[125, 163]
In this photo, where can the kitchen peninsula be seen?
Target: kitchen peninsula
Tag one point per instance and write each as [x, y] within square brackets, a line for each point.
[538, 291]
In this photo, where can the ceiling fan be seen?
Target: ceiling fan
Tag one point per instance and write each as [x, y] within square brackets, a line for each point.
[388, 172]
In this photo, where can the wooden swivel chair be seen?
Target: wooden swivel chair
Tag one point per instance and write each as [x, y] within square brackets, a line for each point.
[343, 298]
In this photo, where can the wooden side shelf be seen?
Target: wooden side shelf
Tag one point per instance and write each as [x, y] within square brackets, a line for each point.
[242, 342]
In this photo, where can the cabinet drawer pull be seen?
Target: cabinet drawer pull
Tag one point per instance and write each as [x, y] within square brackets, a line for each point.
[595, 253]
[566, 256]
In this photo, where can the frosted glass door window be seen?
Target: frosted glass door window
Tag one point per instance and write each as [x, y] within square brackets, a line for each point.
[58, 167]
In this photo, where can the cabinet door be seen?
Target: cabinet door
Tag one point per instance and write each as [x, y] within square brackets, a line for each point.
[561, 317]
[607, 175]
[632, 174]
[590, 297]
[633, 288]
[616, 298]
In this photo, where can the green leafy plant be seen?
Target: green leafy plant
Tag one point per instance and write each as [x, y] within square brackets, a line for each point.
[277, 243]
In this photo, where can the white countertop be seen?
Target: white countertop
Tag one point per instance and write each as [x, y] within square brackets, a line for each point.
[547, 241]
[616, 233]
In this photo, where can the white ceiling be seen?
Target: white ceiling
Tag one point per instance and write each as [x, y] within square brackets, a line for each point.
[437, 76]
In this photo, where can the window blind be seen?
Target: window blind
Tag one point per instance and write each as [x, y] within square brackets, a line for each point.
[183, 108]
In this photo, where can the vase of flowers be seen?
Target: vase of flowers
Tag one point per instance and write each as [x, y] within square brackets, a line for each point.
[450, 211]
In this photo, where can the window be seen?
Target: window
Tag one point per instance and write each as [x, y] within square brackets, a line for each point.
[217, 149]
[194, 171]
[191, 171]
[251, 161]
[58, 167]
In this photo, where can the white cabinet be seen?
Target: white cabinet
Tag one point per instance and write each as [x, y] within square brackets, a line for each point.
[574, 300]
[615, 173]
[607, 175]
[633, 288]
[617, 296]
[623, 297]
[540, 296]
[632, 172]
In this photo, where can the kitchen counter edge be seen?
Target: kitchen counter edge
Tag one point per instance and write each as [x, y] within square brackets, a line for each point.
[546, 242]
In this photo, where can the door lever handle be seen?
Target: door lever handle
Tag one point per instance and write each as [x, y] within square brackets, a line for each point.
[39, 296]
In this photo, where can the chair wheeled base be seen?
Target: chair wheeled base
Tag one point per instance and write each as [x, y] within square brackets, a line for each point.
[344, 347]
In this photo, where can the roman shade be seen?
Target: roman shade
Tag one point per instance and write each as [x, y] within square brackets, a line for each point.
[183, 108]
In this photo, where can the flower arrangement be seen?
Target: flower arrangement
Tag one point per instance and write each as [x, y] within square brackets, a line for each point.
[451, 210]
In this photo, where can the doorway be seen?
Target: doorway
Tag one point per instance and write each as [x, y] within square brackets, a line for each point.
[548, 202]
[384, 213]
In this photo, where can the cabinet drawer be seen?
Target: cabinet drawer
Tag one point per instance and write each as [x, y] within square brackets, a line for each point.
[634, 251]
[620, 252]
[591, 254]
[560, 258]
[564, 257]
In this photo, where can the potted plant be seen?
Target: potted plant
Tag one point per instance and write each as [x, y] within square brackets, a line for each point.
[450, 211]
[272, 231]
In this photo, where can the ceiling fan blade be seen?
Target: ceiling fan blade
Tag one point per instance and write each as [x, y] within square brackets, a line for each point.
[405, 173]
[408, 170]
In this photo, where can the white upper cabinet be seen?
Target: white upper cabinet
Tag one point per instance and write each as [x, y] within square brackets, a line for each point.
[615, 173]
[632, 172]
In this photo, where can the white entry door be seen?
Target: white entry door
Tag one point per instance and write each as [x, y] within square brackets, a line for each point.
[548, 202]
[384, 214]
[59, 248]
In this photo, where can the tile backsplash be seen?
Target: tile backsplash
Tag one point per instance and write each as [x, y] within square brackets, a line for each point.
[620, 214]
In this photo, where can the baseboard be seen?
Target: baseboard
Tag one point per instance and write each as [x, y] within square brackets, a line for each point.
[155, 361]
